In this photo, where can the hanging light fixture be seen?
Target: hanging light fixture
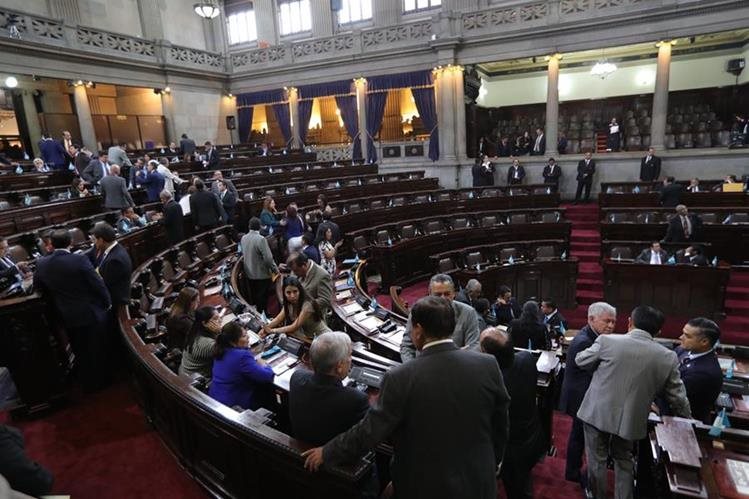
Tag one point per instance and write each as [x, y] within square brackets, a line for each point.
[207, 9]
[602, 68]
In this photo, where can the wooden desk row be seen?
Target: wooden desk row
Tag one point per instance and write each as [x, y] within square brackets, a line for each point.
[31, 180]
[629, 250]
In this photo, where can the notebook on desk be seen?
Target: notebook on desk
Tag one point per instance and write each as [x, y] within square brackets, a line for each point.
[735, 187]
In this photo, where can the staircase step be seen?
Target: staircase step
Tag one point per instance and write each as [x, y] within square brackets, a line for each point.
[585, 297]
[737, 292]
[584, 245]
[737, 306]
[590, 285]
[594, 226]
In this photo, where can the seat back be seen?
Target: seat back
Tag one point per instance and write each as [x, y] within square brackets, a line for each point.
[376, 204]
[18, 253]
[518, 218]
[203, 250]
[739, 218]
[382, 237]
[223, 242]
[619, 217]
[408, 231]
[460, 223]
[506, 253]
[444, 196]
[621, 252]
[474, 258]
[709, 218]
[488, 221]
[550, 217]
[354, 208]
[77, 237]
[489, 193]
[360, 242]
[545, 252]
[648, 217]
[420, 199]
[446, 265]
[184, 260]
[398, 201]
[433, 227]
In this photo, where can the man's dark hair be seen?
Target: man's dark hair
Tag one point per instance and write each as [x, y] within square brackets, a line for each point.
[184, 135]
[298, 260]
[648, 319]
[670, 179]
[207, 143]
[60, 239]
[505, 354]
[481, 305]
[199, 185]
[550, 303]
[308, 238]
[435, 315]
[503, 290]
[103, 153]
[708, 329]
[105, 231]
[654, 243]
[255, 223]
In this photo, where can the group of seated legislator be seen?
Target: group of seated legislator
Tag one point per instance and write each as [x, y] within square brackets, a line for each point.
[483, 173]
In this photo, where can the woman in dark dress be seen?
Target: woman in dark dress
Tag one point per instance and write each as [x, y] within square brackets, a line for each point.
[181, 317]
[528, 331]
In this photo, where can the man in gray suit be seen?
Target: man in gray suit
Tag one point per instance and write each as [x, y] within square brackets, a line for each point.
[630, 370]
[466, 331]
[118, 156]
[315, 279]
[114, 190]
[97, 169]
[259, 266]
[446, 413]
[217, 176]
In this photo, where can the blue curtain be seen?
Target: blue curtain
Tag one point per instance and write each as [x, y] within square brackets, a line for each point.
[305, 113]
[327, 89]
[427, 108]
[264, 97]
[244, 117]
[350, 117]
[375, 111]
[402, 80]
[284, 120]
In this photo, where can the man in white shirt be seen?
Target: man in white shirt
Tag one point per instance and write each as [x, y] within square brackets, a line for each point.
[10, 272]
[170, 178]
[653, 255]
[539, 146]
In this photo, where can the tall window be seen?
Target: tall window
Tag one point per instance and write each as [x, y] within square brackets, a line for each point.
[354, 10]
[241, 27]
[294, 16]
[414, 5]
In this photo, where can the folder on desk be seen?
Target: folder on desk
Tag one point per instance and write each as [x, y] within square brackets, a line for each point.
[735, 187]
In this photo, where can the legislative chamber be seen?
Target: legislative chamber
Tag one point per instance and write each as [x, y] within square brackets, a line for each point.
[374, 249]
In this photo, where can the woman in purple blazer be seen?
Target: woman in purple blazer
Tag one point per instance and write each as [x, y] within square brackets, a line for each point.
[236, 374]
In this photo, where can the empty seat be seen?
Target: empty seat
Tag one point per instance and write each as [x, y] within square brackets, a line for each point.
[398, 201]
[550, 217]
[223, 242]
[621, 253]
[709, 218]
[444, 196]
[488, 221]
[360, 243]
[354, 208]
[408, 231]
[446, 265]
[203, 251]
[376, 204]
[77, 237]
[489, 193]
[740, 218]
[474, 258]
[382, 237]
[4, 205]
[18, 253]
[518, 218]
[460, 223]
[545, 252]
[541, 190]
[420, 199]
[506, 253]
[433, 227]
[619, 217]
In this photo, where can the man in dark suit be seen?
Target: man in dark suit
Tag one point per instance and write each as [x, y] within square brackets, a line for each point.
[699, 367]
[551, 174]
[506, 308]
[152, 180]
[671, 192]
[539, 144]
[187, 147]
[114, 191]
[470, 293]
[650, 166]
[683, 227]
[52, 152]
[320, 407]
[526, 444]
[691, 255]
[11, 272]
[205, 208]
[97, 169]
[653, 255]
[81, 158]
[504, 148]
[446, 412]
[173, 218]
[112, 262]
[78, 293]
[483, 172]
[601, 320]
[23, 474]
[211, 160]
[586, 168]
[228, 201]
[516, 173]
[553, 318]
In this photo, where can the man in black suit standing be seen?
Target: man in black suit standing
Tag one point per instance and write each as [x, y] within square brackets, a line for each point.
[699, 367]
[691, 255]
[211, 157]
[650, 166]
[228, 201]
[527, 443]
[205, 208]
[320, 407]
[683, 227]
[586, 168]
[112, 262]
[671, 192]
[539, 144]
[446, 412]
[553, 318]
[70, 283]
[601, 320]
[186, 147]
[551, 174]
[516, 173]
[114, 191]
[483, 172]
[173, 218]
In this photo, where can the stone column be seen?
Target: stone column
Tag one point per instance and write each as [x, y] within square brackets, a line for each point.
[445, 93]
[361, 106]
[167, 109]
[386, 12]
[552, 106]
[322, 18]
[150, 20]
[265, 19]
[32, 120]
[459, 111]
[660, 97]
[85, 122]
[296, 138]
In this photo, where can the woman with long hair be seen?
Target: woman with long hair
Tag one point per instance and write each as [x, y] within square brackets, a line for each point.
[182, 316]
[528, 331]
[236, 374]
[268, 216]
[328, 251]
[294, 227]
[197, 356]
[300, 315]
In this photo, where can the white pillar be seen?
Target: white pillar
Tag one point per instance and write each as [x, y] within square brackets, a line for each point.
[167, 110]
[361, 106]
[660, 96]
[552, 106]
[459, 111]
[445, 92]
[296, 138]
[85, 122]
[32, 120]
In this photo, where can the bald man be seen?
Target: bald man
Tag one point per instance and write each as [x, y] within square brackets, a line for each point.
[114, 190]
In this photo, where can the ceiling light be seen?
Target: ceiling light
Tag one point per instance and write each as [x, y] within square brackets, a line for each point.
[167, 90]
[207, 9]
[11, 82]
[602, 68]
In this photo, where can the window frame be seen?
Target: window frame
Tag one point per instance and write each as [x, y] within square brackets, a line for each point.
[249, 41]
[293, 34]
[358, 22]
[418, 10]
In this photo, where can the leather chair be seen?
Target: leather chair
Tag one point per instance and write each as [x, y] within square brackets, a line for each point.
[649, 217]
[740, 218]
[506, 253]
[621, 252]
[35, 200]
[408, 231]
[360, 244]
[538, 191]
[550, 217]
[618, 218]
[223, 243]
[398, 201]
[354, 208]
[460, 223]
[77, 237]
[420, 199]
[474, 258]
[488, 221]
[446, 265]
[518, 218]
[545, 253]
[382, 237]
[376, 204]
[444, 196]
[204, 252]
[709, 218]
[489, 193]
[18, 253]
[433, 227]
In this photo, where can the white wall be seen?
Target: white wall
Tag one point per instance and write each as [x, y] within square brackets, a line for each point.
[38, 7]
[181, 25]
[118, 16]
[199, 115]
[631, 78]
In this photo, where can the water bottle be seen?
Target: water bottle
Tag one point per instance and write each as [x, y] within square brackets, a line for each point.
[27, 200]
[19, 169]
